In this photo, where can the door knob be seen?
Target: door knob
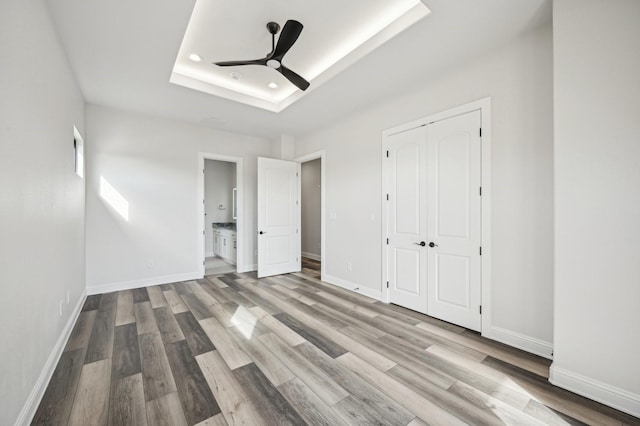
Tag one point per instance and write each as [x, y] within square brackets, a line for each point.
[421, 243]
[432, 244]
[262, 232]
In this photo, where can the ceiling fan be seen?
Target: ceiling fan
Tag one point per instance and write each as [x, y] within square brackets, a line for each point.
[290, 33]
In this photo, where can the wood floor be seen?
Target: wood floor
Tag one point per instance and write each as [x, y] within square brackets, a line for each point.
[232, 349]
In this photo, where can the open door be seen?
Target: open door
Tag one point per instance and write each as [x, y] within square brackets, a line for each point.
[278, 217]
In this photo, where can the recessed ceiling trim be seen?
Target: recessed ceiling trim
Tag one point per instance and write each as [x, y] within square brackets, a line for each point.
[368, 38]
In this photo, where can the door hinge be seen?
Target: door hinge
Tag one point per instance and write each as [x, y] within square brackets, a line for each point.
[387, 197]
[387, 284]
[203, 232]
[480, 309]
[296, 174]
[387, 241]
[203, 263]
[480, 131]
[481, 191]
[296, 202]
[297, 231]
[480, 251]
[387, 154]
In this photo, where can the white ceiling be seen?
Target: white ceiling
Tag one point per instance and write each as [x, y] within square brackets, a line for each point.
[221, 30]
[123, 53]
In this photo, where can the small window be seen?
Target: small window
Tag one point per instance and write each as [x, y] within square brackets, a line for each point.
[78, 153]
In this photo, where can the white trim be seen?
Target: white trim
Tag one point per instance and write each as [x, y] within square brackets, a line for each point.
[348, 285]
[520, 341]
[312, 256]
[596, 390]
[484, 105]
[239, 161]
[35, 397]
[144, 282]
[323, 204]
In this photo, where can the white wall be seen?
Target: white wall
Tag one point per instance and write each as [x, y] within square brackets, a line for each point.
[219, 181]
[597, 199]
[41, 204]
[518, 78]
[153, 164]
[310, 208]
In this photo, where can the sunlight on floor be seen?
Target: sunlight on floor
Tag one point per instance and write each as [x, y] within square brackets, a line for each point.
[244, 321]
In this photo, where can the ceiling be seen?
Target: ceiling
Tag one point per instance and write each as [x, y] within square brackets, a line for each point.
[220, 30]
[123, 53]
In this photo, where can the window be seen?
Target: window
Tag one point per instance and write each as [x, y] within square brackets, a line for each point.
[78, 152]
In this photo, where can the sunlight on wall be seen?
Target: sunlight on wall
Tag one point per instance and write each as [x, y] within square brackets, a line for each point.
[114, 198]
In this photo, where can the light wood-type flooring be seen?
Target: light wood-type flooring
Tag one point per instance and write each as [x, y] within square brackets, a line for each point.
[232, 349]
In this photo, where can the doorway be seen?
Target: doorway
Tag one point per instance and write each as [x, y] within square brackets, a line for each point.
[433, 216]
[312, 198]
[220, 209]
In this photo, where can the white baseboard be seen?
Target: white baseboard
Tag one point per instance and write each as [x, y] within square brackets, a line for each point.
[370, 292]
[520, 341]
[312, 256]
[612, 396]
[145, 282]
[31, 405]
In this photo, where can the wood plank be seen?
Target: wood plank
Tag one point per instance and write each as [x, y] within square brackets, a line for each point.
[226, 346]
[312, 336]
[100, 344]
[56, 403]
[273, 407]
[355, 412]
[156, 373]
[91, 405]
[318, 381]
[235, 403]
[127, 402]
[126, 352]
[194, 334]
[204, 296]
[156, 297]
[277, 327]
[166, 411]
[196, 397]
[400, 393]
[195, 305]
[217, 420]
[124, 311]
[91, 303]
[79, 338]
[549, 416]
[140, 295]
[309, 405]
[169, 329]
[145, 320]
[351, 321]
[269, 364]
[174, 301]
[368, 402]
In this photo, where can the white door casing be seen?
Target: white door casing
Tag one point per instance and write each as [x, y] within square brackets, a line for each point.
[407, 223]
[453, 212]
[278, 217]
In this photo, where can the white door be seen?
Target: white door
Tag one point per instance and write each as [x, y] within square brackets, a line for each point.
[453, 214]
[278, 217]
[407, 221]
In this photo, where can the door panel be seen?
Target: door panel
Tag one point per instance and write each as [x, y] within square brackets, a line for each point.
[407, 223]
[278, 217]
[454, 220]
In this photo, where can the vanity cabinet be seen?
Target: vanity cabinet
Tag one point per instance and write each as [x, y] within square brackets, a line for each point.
[225, 244]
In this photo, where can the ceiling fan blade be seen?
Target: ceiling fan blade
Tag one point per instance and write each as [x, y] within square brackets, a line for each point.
[294, 78]
[262, 61]
[288, 36]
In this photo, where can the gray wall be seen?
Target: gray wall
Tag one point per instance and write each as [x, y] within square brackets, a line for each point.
[311, 209]
[41, 203]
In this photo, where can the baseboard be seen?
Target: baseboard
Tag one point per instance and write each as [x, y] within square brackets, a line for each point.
[374, 294]
[520, 341]
[145, 282]
[31, 405]
[612, 396]
[312, 256]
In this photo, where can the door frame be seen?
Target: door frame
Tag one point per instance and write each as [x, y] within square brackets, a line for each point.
[200, 229]
[484, 106]
[303, 159]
